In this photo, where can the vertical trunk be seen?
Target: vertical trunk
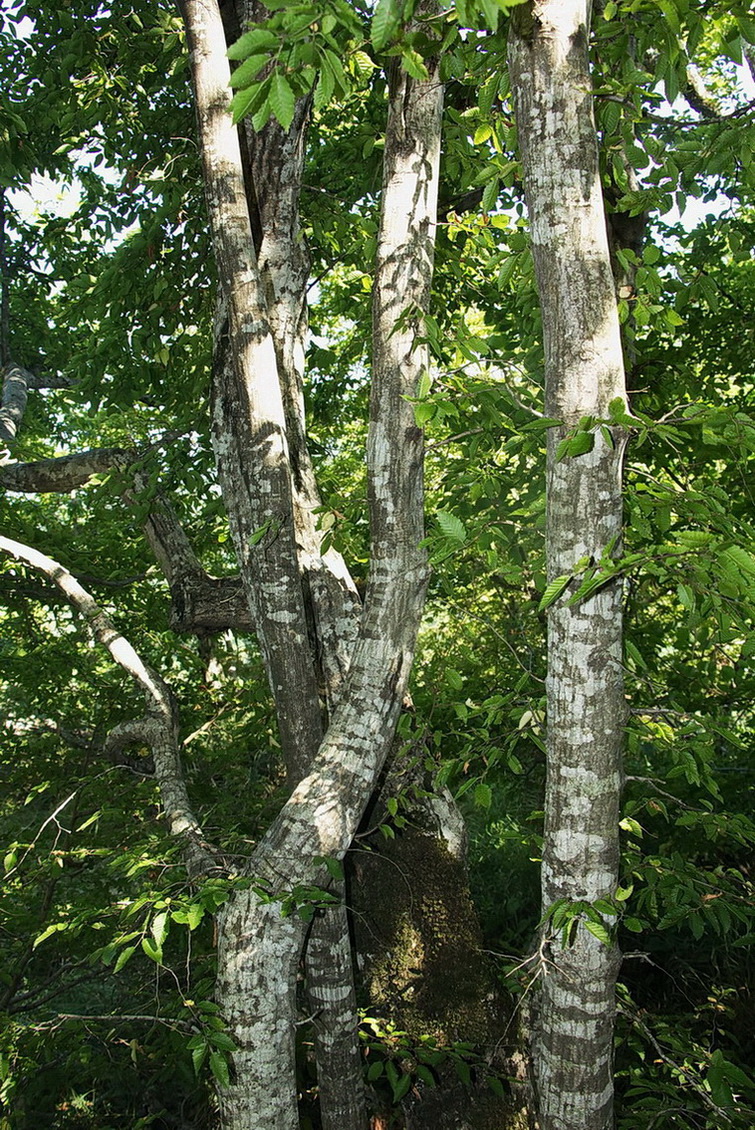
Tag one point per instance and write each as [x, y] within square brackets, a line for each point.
[332, 999]
[249, 422]
[259, 950]
[572, 1046]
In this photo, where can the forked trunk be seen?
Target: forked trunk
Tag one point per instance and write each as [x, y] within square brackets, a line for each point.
[259, 949]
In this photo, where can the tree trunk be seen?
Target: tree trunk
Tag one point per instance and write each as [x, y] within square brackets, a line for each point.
[256, 407]
[573, 1039]
[332, 999]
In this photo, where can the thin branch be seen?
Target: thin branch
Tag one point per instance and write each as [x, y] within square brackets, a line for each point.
[159, 726]
[128, 1018]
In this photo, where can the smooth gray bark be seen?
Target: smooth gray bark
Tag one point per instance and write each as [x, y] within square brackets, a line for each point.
[573, 1041]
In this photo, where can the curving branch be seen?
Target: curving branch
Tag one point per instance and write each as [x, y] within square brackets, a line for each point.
[158, 729]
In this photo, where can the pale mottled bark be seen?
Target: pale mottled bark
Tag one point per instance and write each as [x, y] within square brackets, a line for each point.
[324, 809]
[15, 385]
[199, 603]
[158, 728]
[332, 1001]
[64, 474]
[572, 1046]
[249, 426]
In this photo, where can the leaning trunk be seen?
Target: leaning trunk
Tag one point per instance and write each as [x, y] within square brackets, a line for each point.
[573, 1039]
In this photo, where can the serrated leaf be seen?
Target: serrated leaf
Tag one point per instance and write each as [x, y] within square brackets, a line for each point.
[578, 444]
[153, 951]
[242, 103]
[423, 414]
[326, 84]
[598, 930]
[451, 526]
[423, 385]
[401, 1088]
[219, 1068]
[256, 40]
[223, 1041]
[198, 1056]
[425, 1074]
[282, 100]
[375, 1070]
[454, 679]
[490, 195]
[363, 64]
[248, 71]
[123, 957]
[414, 65]
[159, 928]
[553, 591]
[462, 1070]
[54, 929]
[483, 796]
[385, 23]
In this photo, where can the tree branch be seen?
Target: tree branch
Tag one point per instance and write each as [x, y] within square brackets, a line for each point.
[64, 474]
[159, 726]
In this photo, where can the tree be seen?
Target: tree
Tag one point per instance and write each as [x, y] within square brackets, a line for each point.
[584, 385]
[117, 325]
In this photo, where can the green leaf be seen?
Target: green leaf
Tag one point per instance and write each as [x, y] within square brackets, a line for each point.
[219, 1068]
[451, 526]
[54, 929]
[598, 930]
[414, 65]
[198, 1056]
[248, 71]
[123, 957]
[424, 413]
[385, 23]
[282, 100]
[553, 591]
[153, 951]
[483, 796]
[401, 1088]
[454, 679]
[256, 40]
[746, 25]
[242, 102]
[375, 1070]
[490, 194]
[159, 928]
[223, 1041]
[578, 444]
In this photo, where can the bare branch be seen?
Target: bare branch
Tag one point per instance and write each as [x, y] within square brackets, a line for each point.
[67, 473]
[159, 727]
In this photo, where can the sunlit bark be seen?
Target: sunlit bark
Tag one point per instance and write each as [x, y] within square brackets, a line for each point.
[573, 1042]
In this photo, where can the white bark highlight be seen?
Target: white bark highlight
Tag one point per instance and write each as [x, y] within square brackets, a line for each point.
[573, 1044]
[325, 808]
